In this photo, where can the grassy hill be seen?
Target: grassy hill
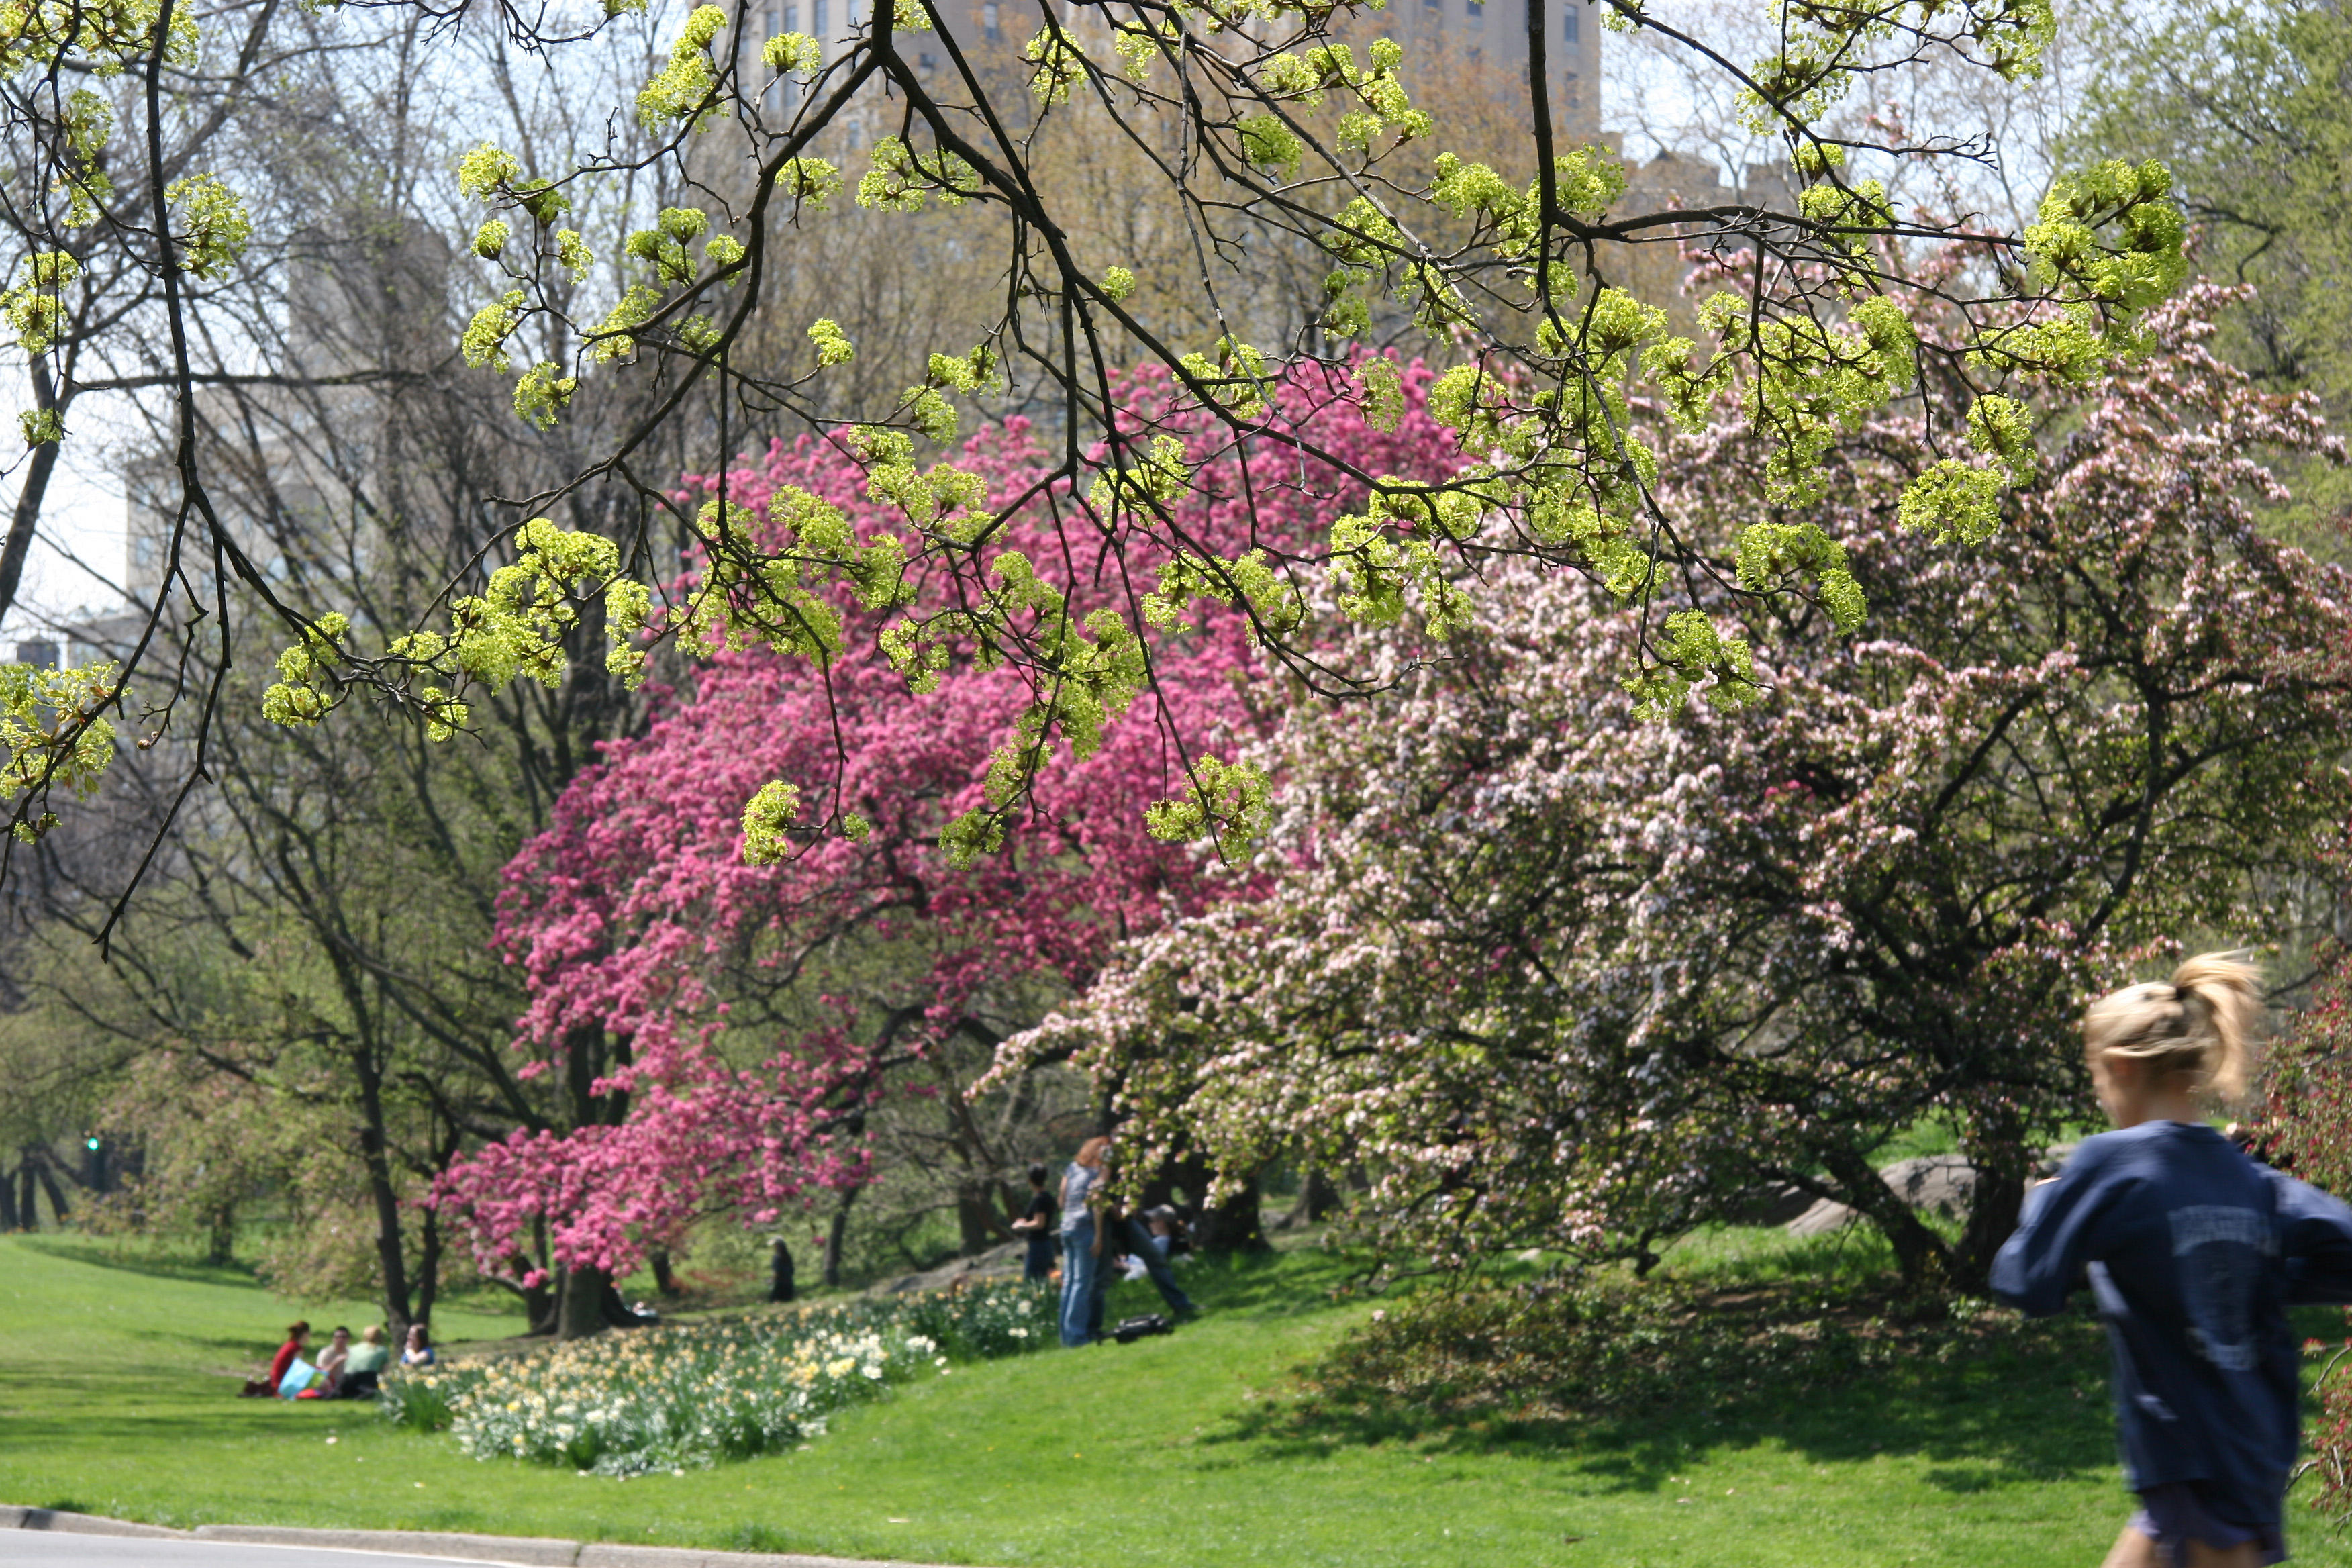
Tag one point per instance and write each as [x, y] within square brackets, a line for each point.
[117, 1377]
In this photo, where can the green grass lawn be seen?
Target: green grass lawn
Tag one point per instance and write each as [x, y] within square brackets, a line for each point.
[115, 1397]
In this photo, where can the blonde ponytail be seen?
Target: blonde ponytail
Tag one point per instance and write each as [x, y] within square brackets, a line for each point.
[2200, 1022]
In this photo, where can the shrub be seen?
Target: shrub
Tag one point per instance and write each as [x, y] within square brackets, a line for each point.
[667, 1398]
[1569, 1348]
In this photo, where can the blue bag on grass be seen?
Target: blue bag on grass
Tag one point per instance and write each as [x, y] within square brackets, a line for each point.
[297, 1377]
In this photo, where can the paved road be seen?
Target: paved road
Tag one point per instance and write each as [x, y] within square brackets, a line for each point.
[44, 1548]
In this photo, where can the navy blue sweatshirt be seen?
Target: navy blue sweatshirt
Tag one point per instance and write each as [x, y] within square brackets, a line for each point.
[2194, 1252]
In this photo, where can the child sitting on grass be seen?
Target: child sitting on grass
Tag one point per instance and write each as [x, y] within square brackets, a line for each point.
[2193, 1252]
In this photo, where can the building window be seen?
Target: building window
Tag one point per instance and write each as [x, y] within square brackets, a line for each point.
[925, 62]
[792, 18]
[1475, 10]
[1570, 23]
[821, 17]
[988, 22]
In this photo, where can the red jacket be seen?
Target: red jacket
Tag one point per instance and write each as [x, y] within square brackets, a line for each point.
[284, 1359]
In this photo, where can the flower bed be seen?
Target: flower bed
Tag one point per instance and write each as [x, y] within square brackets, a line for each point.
[667, 1398]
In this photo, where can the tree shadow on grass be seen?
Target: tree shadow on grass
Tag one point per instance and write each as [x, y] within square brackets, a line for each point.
[2029, 1406]
[156, 1265]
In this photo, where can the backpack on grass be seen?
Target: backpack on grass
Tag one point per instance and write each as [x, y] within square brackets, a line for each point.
[1133, 1329]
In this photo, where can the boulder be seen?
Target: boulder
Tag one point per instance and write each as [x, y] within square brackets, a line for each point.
[1004, 1262]
[1824, 1216]
[1941, 1183]
[1945, 1184]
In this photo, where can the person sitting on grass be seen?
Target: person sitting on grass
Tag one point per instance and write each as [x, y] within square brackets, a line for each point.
[419, 1349]
[265, 1387]
[330, 1362]
[364, 1366]
[2194, 1253]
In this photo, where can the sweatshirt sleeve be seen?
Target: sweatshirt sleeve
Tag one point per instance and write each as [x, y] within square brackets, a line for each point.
[2315, 1232]
[2057, 1235]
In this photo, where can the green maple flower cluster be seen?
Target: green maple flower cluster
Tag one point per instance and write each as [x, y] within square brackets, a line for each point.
[51, 734]
[514, 629]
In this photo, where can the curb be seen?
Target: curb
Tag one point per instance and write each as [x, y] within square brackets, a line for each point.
[521, 1550]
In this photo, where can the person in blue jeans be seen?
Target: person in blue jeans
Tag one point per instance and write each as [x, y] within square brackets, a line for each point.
[1082, 1241]
[2194, 1253]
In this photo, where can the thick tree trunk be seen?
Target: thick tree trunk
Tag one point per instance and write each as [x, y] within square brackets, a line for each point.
[1318, 1200]
[1919, 1252]
[428, 1267]
[978, 1223]
[539, 1302]
[1994, 1210]
[579, 1302]
[25, 518]
[665, 1282]
[834, 1235]
[1234, 1225]
[56, 1194]
[391, 1256]
[781, 1285]
[28, 1213]
[220, 1238]
[9, 1220]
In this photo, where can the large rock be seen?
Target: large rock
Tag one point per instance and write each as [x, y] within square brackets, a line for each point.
[1944, 1184]
[1941, 1183]
[1004, 1262]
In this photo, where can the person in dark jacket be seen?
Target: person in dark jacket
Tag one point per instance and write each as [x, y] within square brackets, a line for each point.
[1037, 1224]
[2193, 1253]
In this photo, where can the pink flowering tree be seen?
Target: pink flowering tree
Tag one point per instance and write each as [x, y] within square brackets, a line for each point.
[720, 997]
[1551, 970]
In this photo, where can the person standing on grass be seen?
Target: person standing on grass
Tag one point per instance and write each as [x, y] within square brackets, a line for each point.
[1082, 1241]
[1038, 1225]
[2194, 1253]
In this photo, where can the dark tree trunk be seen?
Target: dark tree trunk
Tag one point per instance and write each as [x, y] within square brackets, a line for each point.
[781, 1287]
[579, 1302]
[9, 1220]
[1919, 1252]
[391, 1256]
[834, 1235]
[57, 1193]
[1993, 1209]
[1318, 1200]
[978, 1223]
[619, 1314]
[1234, 1225]
[665, 1282]
[539, 1309]
[220, 1239]
[26, 516]
[428, 1267]
[28, 1213]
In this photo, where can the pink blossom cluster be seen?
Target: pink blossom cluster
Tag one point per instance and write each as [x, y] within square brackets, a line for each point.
[729, 1022]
